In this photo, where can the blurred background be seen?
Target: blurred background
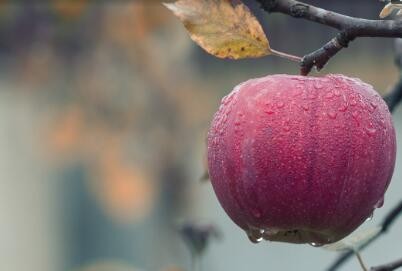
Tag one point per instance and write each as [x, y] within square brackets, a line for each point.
[104, 109]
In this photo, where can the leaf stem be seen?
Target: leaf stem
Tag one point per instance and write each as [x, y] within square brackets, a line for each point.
[285, 55]
[360, 259]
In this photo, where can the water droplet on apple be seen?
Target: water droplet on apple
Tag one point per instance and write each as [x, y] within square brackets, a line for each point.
[379, 203]
[256, 213]
[280, 104]
[331, 114]
[337, 93]
[343, 107]
[382, 123]
[355, 114]
[318, 85]
[255, 235]
[215, 141]
[312, 95]
[286, 126]
[305, 107]
[269, 232]
[370, 131]
[269, 108]
[298, 91]
[370, 217]
[255, 240]
[228, 98]
[315, 244]
[329, 95]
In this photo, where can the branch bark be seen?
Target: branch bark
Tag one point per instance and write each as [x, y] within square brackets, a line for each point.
[349, 28]
[388, 267]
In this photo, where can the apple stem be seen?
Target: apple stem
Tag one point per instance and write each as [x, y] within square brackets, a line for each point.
[285, 55]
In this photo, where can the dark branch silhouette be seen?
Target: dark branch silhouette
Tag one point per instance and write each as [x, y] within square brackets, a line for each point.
[349, 28]
[388, 267]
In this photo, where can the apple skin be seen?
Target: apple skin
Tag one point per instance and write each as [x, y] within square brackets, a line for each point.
[301, 159]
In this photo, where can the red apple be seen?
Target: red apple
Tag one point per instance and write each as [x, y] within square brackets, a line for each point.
[301, 159]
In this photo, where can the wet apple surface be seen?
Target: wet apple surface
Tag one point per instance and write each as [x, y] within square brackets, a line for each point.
[301, 159]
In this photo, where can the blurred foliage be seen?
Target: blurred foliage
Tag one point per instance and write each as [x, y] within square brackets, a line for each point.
[118, 97]
[119, 107]
[108, 266]
[198, 236]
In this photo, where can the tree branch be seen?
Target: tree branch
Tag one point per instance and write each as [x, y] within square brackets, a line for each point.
[321, 56]
[388, 267]
[349, 28]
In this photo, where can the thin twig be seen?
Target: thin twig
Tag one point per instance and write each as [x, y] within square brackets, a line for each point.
[349, 28]
[360, 259]
[287, 56]
[388, 267]
[321, 56]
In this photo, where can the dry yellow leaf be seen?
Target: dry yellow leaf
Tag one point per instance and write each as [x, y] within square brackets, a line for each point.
[389, 8]
[224, 28]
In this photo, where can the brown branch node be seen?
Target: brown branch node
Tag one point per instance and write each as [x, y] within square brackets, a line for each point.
[320, 57]
[299, 10]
